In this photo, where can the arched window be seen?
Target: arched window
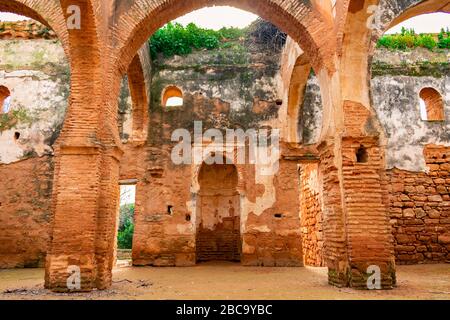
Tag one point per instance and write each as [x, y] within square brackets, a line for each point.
[431, 105]
[172, 97]
[5, 99]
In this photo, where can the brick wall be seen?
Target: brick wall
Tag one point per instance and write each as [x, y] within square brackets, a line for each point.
[311, 215]
[420, 210]
[25, 212]
[222, 243]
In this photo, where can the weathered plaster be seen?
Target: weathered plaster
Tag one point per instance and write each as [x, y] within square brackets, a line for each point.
[399, 113]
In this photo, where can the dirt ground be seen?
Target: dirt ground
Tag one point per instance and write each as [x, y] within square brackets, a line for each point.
[232, 282]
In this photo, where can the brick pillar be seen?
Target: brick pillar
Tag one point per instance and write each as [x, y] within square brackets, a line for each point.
[356, 226]
[109, 202]
[334, 230]
[369, 234]
[86, 201]
[75, 196]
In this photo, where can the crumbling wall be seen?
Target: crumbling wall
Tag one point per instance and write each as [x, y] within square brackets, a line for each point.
[224, 89]
[403, 75]
[420, 209]
[25, 212]
[310, 119]
[415, 149]
[272, 234]
[35, 71]
[37, 75]
[311, 215]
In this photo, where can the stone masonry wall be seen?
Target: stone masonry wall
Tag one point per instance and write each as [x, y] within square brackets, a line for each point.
[311, 215]
[420, 209]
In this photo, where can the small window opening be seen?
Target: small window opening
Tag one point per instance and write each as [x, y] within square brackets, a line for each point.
[5, 99]
[16, 135]
[278, 215]
[361, 155]
[172, 97]
[431, 105]
[188, 217]
[170, 210]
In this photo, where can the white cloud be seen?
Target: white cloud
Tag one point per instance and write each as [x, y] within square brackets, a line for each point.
[4, 16]
[218, 17]
[426, 23]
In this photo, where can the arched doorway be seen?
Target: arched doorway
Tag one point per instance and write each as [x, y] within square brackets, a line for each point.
[218, 235]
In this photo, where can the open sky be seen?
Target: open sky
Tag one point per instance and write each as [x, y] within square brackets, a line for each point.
[218, 17]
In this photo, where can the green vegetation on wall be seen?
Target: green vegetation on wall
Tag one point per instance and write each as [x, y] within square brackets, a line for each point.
[409, 39]
[11, 119]
[175, 39]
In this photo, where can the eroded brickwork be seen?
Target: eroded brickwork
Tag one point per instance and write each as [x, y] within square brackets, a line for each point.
[311, 215]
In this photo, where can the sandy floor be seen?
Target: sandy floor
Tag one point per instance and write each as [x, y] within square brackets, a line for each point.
[231, 281]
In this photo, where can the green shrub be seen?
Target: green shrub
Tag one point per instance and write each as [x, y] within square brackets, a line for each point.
[444, 39]
[125, 237]
[126, 215]
[408, 39]
[175, 39]
[425, 41]
[126, 227]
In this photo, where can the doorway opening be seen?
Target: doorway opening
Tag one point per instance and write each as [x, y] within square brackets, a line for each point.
[218, 236]
[125, 230]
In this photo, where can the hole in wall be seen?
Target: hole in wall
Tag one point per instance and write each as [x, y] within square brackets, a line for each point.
[361, 155]
[172, 97]
[431, 105]
[188, 217]
[279, 102]
[16, 136]
[278, 215]
[170, 210]
[5, 99]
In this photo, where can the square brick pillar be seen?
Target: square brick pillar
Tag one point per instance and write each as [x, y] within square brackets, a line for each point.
[356, 226]
[369, 235]
[85, 208]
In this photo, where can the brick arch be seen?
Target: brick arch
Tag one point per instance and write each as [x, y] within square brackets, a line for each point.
[434, 104]
[49, 13]
[139, 98]
[228, 176]
[296, 95]
[240, 174]
[135, 23]
[391, 13]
